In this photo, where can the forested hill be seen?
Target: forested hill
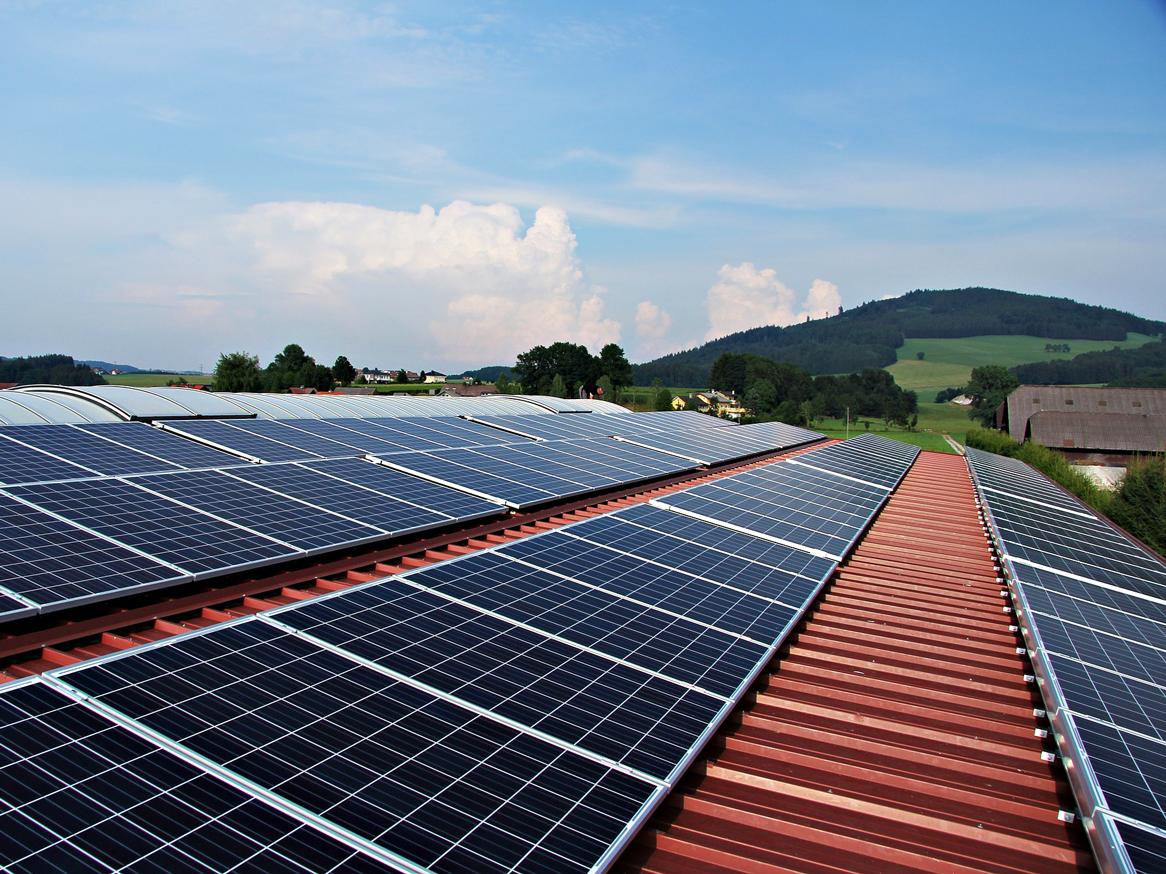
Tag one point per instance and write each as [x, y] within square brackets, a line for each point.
[868, 336]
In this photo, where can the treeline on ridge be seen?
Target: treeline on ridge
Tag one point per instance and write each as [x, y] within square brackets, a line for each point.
[55, 369]
[867, 336]
[1144, 367]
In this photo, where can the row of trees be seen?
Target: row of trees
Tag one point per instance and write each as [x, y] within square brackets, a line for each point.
[783, 391]
[293, 367]
[1144, 366]
[564, 369]
[55, 369]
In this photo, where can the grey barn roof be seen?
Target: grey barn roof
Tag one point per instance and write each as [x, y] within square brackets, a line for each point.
[1030, 399]
[1114, 432]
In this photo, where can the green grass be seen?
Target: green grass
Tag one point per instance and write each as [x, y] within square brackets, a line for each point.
[949, 361]
[153, 380]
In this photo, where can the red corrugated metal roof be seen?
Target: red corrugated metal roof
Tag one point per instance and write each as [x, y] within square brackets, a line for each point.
[897, 731]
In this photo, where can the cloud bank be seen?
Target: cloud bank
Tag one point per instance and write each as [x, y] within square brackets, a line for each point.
[745, 297]
[496, 286]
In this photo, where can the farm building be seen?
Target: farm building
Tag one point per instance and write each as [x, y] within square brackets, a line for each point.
[1094, 425]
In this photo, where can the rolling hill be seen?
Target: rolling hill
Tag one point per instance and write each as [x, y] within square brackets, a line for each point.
[1008, 326]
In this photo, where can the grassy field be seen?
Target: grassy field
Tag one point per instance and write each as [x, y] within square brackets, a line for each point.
[152, 380]
[949, 362]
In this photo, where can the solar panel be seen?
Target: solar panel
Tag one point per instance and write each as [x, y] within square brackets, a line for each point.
[355, 502]
[699, 536]
[78, 792]
[286, 519]
[23, 464]
[285, 433]
[421, 493]
[459, 468]
[421, 777]
[1091, 604]
[169, 447]
[339, 429]
[54, 564]
[1145, 849]
[402, 438]
[614, 710]
[678, 648]
[185, 538]
[696, 557]
[221, 435]
[454, 432]
[12, 608]
[737, 612]
[83, 448]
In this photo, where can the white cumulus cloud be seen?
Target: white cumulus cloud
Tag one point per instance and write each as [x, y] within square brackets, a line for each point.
[745, 297]
[490, 286]
[653, 325]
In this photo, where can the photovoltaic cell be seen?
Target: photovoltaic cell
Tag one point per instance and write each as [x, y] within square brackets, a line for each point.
[616, 711]
[698, 536]
[345, 498]
[80, 793]
[1146, 849]
[421, 777]
[402, 486]
[306, 441]
[188, 539]
[337, 429]
[1103, 695]
[504, 482]
[286, 519]
[12, 609]
[736, 612]
[221, 434]
[1130, 770]
[53, 563]
[82, 448]
[23, 464]
[170, 447]
[678, 648]
[695, 558]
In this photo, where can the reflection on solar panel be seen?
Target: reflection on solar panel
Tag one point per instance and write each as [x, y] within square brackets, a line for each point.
[81, 447]
[79, 792]
[222, 435]
[286, 519]
[355, 502]
[420, 777]
[23, 464]
[627, 715]
[532, 473]
[673, 646]
[283, 433]
[1092, 605]
[169, 447]
[418, 492]
[187, 539]
[54, 564]
[338, 429]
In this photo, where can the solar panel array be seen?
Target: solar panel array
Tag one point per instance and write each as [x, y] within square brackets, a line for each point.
[524, 708]
[1092, 607]
[97, 511]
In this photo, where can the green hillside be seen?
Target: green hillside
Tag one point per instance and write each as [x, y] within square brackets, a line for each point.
[948, 361]
[153, 380]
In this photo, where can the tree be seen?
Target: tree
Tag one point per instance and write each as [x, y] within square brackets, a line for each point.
[319, 377]
[613, 364]
[1139, 505]
[238, 371]
[605, 390]
[988, 388]
[919, 356]
[502, 383]
[290, 367]
[537, 367]
[402, 376]
[343, 371]
[558, 387]
[662, 400]
[761, 398]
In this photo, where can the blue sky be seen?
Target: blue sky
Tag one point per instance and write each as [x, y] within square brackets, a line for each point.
[444, 187]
